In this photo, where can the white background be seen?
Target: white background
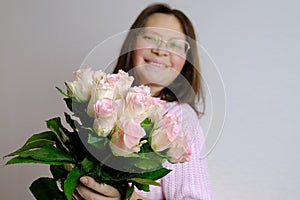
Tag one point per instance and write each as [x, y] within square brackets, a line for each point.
[254, 43]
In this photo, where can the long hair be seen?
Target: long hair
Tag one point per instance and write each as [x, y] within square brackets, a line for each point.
[187, 87]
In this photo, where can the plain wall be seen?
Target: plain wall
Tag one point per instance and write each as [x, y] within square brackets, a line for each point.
[255, 45]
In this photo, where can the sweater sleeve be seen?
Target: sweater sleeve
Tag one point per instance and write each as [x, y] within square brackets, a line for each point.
[189, 180]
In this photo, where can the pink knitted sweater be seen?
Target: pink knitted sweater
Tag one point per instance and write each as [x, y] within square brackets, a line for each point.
[190, 180]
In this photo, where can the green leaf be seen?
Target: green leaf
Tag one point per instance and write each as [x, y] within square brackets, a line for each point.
[147, 164]
[90, 129]
[147, 125]
[72, 182]
[145, 181]
[36, 141]
[146, 122]
[98, 170]
[139, 186]
[58, 171]
[47, 153]
[55, 125]
[70, 121]
[62, 92]
[69, 103]
[153, 175]
[79, 110]
[19, 160]
[133, 155]
[87, 165]
[46, 189]
[98, 142]
[149, 160]
[129, 192]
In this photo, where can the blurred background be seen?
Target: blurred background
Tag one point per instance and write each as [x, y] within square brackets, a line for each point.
[254, 45]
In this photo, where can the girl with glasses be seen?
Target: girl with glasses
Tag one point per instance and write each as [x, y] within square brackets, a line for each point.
[160, 51]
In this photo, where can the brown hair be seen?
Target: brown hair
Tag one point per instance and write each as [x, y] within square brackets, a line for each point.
[186, 88]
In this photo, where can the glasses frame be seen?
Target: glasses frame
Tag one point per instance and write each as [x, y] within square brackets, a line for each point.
[142, 34]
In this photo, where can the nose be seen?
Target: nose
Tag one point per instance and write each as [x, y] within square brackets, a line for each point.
[161, 50]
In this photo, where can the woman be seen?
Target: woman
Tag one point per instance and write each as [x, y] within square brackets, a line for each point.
[160, 51]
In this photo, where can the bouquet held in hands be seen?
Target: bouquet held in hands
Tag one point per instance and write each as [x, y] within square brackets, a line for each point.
[118, 134]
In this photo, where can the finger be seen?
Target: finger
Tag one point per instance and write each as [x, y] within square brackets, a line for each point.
[76, 196]
[104, 189]
[86, 193]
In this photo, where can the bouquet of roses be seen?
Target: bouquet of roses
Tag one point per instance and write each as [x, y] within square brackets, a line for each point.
[117, 133]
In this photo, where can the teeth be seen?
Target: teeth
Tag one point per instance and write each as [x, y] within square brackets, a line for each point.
[157, 64]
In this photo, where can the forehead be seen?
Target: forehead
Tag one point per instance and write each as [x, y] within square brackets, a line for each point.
[165, 24]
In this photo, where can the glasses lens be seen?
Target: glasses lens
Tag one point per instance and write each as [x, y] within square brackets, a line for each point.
[150, 39]
[177, 46]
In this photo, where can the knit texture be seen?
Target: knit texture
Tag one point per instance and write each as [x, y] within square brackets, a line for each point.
[189, 180]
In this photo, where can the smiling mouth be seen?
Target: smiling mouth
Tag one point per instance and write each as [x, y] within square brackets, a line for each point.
[156, 64]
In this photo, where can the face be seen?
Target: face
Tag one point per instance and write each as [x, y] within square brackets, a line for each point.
[159, 54]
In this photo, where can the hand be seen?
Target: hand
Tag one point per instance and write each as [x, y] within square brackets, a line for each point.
[90, 189]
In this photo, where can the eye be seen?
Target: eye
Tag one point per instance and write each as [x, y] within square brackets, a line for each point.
[152, 38]
[177, 45]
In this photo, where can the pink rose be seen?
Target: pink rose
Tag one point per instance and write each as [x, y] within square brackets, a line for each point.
[105, 112]
[103, 126]
[171, 123]
[158, 102]
[102, 86]
[124, 83]
[98, 93]
[80, 88]
[145, 90]
[112, 79]
[133, 132]
[98, 76]
[107, 86]
[104, 108]
[156, 109]
[127, 139]
[167, 130]
[180, 151]
[138, 101]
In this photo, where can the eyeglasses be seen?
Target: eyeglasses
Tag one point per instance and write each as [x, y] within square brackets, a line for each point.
[175, 45]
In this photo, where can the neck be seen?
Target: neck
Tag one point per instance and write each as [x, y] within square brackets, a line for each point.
[155, 89]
